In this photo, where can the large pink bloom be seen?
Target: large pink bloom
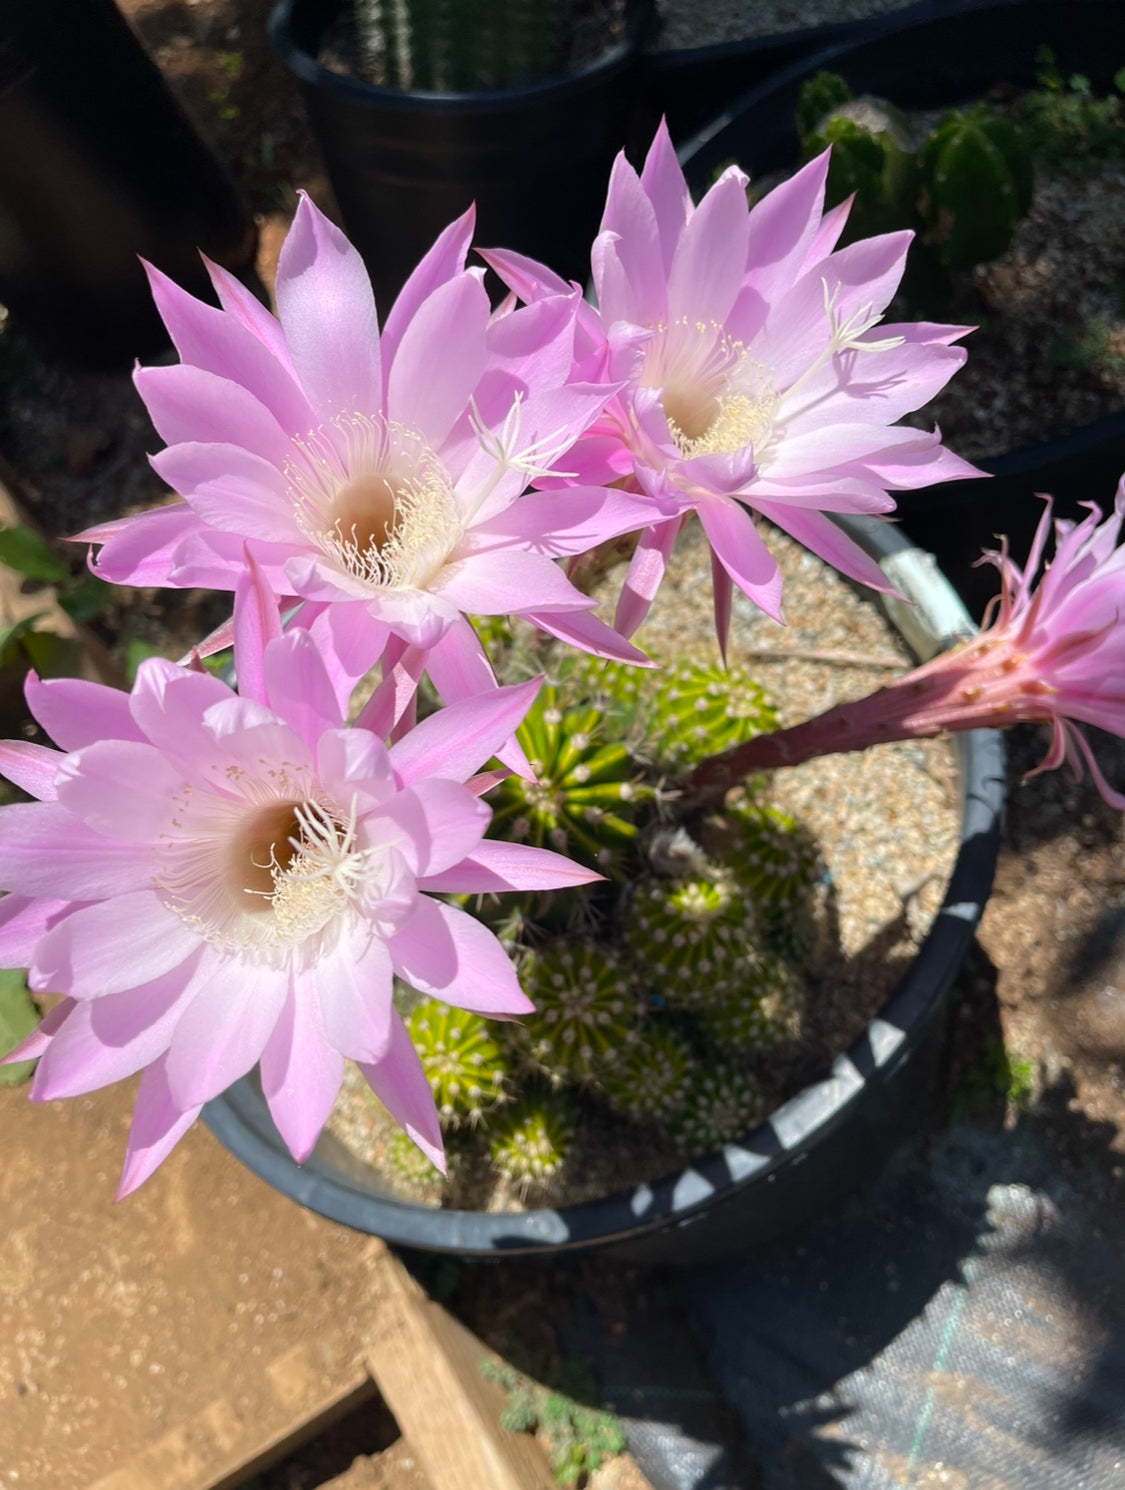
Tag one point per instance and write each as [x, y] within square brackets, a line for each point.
[214, 880]
[1054, 654]
[379, 478]
[752, 378]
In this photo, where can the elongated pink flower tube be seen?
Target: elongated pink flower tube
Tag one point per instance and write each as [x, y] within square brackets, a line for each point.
[752, 378]
[1053, 654]
[378, 477]
[217, 880]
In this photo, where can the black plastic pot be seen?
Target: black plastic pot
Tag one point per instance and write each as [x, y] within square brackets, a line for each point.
[937, 60]
[99, 165]
[821, 1145]
[404, 164]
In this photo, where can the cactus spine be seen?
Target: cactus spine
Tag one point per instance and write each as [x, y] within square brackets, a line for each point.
[587, 1012]
[463, 1063]
[529, 1141]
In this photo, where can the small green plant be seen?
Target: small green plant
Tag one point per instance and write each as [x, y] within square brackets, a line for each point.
[977, 179]
[698, 710]
[652, 1081]
[588, 1013]
[529, 1141]
[578, 1438]
[694, 935]
[18, 1017]
[463, 1063]
[999, 1076]
[765, 1011]
[1068, 126]
[723, 1102]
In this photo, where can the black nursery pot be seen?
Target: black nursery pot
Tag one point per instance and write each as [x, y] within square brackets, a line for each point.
[99, 165]
[939, 56]
[790, 1170]
[404, 164]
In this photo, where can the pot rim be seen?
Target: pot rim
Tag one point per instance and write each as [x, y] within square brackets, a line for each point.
[240, 1119]
[557, 88]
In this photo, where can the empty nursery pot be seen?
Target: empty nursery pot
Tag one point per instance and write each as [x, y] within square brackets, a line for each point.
[790, 1170]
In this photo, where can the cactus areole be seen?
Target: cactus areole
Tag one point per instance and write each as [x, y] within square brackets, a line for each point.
[728, 1199]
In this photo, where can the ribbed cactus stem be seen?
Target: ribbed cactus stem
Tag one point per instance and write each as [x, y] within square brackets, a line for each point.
[982, 684]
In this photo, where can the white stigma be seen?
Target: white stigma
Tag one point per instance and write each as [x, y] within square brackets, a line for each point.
[376, 501]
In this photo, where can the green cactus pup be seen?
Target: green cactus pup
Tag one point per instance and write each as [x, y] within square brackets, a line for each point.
[408, 1166]
[464, 1065]
[977, 178]
[588, 1014]
[528, 1142]
[692, 935]
[723, 1102]
[653, 1079]
[700, 710]
[766, 1011]
[584, 800]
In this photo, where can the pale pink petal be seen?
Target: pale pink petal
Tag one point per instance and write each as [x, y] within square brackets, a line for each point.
[355, 984]
[783, 226]
[722, 595]
[530, 279]
[664, 183]
[23, 924]
[114, 945]
[76, 713]
[824, 538]
[105, 1040]
[327, 311]
[710, 259]
[350, 640]
[246, 308]
[827, 235]
[231, 490]
[257, 622]
[298, 688]
[188, 405]
[445, 952]
[44, 851]
[32, 768]
[443, 262]
[645, 572]
[495, 866]
[402, 668]
[458, 739]
[234, 1005]
[440, 359]
[32, 1046]
[400, 1083]
[442, 821]
[507, 580]
[642, 291]
[301, 1071]
[158, 1125]
[168, 704]
[221, 344]
[571, 521]
[140, 550]
[121, 789]
[583, 629]
[731, 533]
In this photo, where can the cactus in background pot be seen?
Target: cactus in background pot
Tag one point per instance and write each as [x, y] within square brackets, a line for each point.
[446, 46]
[977, 179]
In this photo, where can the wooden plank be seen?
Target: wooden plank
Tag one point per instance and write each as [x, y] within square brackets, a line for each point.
[396, 1468]
[427, 1367]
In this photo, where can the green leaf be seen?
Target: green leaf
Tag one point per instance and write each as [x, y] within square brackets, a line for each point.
[85, 600]
[18, 1017]
[12, 634]
[27, 553]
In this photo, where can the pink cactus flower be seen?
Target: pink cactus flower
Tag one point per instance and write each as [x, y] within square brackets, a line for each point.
[378, 478]
[216, 880]
[1054, 654]
[753, 379]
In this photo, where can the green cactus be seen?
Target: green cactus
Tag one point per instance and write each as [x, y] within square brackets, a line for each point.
[820, 95]
[874, 153]
[653, 1079]
[529, 1141]
[461, 45]
[768, 851]
[699, 710]
[766, 1011]
[406, 1163]
[585, 798]
[721, 1105]
[693, 935]
[463, 1063]
[977, 179]
[588, 1014]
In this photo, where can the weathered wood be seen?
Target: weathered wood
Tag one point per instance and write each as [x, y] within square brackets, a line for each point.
[427, 1366]
[396, 1468]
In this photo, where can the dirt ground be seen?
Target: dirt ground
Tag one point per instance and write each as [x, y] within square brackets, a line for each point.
[1047, 980]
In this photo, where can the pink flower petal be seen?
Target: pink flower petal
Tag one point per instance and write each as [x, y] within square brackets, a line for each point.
[247, 309]
[444, 952]
[141, 550]
[821, 535]
[710, 259]
[189, 405]
[355, 987]
[645, 572]
[327, 312]
[121, 789]
[233, 1008]
[440, 359]
[301, 1071]
[458, 739]
[298, 688]
[32, 768]
[232, 490]
[508, 580]
[442, 820]
[629, 215]
[116, 944]
[731, 533]
[495, 866]
[44, 851]
[400, 1083]
[583, 629]
[571, 521]
[23, 924]
[443, 262]
[158, 1125]
[76, 713]
[664, 183]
